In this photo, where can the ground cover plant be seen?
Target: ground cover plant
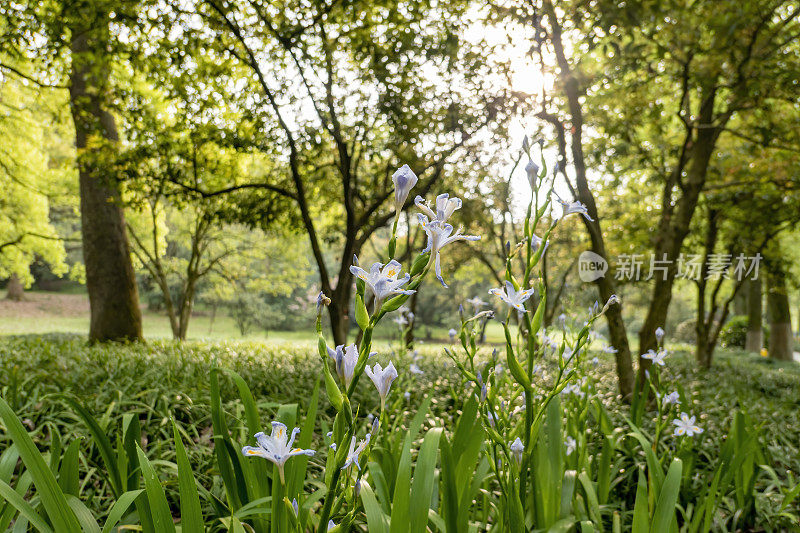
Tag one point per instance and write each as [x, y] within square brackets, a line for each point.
[523, 436]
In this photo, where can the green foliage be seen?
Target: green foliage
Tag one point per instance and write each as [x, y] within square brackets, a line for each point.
[34, 177]
[686, 331]
[166, 379]
[734, 332]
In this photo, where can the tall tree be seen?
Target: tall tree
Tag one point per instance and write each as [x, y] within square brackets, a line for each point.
[74, 47]
[110, 279]
[564, 111]
[754, 338]
[780, 321]
[344, 93]
[706, 67]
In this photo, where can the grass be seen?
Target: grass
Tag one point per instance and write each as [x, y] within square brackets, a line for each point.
[162, 380]
[41, 316]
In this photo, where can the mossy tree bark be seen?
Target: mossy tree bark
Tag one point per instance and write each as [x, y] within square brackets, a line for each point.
[754, 340]
[780, 321]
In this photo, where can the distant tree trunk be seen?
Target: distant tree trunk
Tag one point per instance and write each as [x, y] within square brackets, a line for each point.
[340, 322]
[187, 305]
[676, 218]
[110, 279]
[740, 303]
[780, 321]
[605, 285]
[754, 341]
[14, 290]
[798, 319]
[705, 318]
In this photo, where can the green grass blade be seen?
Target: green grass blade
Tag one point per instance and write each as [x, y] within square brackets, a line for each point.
[53, 500]
[376, 521]
[83, 514]
[249, 403]
[8, 494]
[256, 471]
[191, 512]
[422, 486]
[604, 470]
[162, 518]
[591, 500]
[402, 487]
[549, 465]
[667, 499]
[299, 465]
[654, 469]
[220, 450]
[8, 462]
[450, 490]
[641, 513]
[68, 477]
[381, 486]
[100, 438]
[437, 521]
[119, 509]
[8, 511]
[567, 493]
[261, 506]
[236, 526]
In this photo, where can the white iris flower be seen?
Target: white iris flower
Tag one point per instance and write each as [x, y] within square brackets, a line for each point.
[382, 378]
[685, 426]
[404, 180]
[569, 208]
[517, 448]
[440, 234]
[276, 447]
[344, 361]
[514, 298]
[570, 444]
[383, 280]
[444, 206]
[355, 451]
[656, 357]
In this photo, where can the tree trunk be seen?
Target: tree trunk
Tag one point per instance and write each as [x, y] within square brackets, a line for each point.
[740, 303]
[340, 322]
[110, 279]
[780, 321]
[703, 351]
[798, 319]
[187, 305]
[14, 290]
[605, 285]
[754, 341]
[705, 318]
[183, 328]
[675, 221]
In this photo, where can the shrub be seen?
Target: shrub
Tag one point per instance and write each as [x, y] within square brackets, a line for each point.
[734, 332]
[685, 332]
